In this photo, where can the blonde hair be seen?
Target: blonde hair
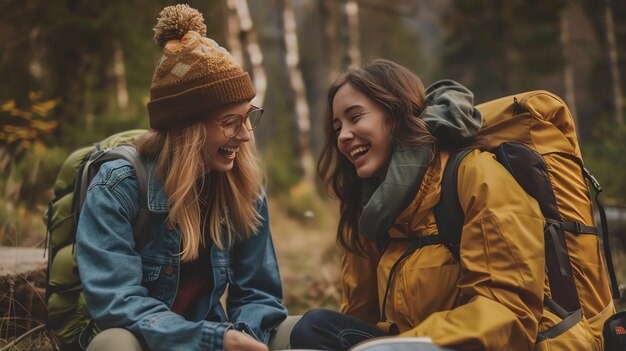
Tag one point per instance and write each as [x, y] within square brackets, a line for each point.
[226, 198]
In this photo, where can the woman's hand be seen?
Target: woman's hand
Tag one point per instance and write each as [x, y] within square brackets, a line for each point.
[237, 341]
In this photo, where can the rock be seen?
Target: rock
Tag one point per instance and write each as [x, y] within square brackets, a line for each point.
[15, 260]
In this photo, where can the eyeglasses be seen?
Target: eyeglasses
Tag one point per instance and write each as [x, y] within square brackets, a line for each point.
[231, 126]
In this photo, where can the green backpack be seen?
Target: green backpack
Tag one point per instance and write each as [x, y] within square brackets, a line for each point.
[68, 317]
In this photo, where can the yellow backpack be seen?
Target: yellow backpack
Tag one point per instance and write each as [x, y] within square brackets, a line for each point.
[533, 135]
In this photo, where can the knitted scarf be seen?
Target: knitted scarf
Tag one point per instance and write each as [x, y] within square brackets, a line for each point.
[451, 117]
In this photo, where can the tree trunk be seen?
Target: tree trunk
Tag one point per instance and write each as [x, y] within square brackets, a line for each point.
[119, 72]
[232, 31]
[328, 16]
[568, 69]
[292, 59]
[351, 32]
[254, 51]
[613, 62]
[241, 33]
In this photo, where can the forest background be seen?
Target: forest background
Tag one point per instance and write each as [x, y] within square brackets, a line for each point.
[75, 71]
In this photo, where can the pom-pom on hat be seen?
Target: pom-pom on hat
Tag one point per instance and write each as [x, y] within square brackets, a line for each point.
[194, 75]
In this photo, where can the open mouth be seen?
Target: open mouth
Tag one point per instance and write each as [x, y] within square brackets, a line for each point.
[228, 152]
[359, 151]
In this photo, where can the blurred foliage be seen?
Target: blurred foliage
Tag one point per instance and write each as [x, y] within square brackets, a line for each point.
[26, 176]
[498, 47]
[604, 157]
[281, 173]
[389, 33]
[24, 129]
[23, 307]
[66, 52]
[305, 203]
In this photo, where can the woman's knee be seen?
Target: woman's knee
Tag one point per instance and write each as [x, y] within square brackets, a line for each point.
[311, 323]
[316, 316]
[280, 338]
[113, 340]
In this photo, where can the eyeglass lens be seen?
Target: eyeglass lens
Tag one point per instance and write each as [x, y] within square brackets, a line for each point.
[233, 125]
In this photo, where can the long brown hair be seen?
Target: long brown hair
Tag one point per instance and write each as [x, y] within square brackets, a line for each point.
[192, 189]
[401, 95]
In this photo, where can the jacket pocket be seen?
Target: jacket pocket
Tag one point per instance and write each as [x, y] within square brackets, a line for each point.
[160, 279]
[431, 276]
[150, 270]
[570, 334]
[597, 322]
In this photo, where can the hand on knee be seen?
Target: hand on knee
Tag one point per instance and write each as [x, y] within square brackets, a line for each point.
[235, 341]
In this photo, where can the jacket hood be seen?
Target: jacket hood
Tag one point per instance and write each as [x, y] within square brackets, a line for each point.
[450, 113]
[452, 118]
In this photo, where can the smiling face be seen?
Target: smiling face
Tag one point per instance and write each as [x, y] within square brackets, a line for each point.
[363, 131]
[222, 151]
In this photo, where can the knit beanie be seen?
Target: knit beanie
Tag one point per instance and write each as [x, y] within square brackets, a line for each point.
[194, 75]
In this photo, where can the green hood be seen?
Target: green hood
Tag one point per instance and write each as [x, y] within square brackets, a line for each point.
[453, 120]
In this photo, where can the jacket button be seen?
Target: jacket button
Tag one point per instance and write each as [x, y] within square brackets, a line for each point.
[168, 270]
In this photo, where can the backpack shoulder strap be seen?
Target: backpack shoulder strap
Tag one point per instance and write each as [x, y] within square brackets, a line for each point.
[128, 153]
[449, 216]
[448, 212]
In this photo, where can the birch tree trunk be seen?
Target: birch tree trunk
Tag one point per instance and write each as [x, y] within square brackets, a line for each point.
[568, 69]
[292, 59]
[241, 33]
[613, 62]
[232, 31]
[254, 51]
[351, 32]
[119, 72]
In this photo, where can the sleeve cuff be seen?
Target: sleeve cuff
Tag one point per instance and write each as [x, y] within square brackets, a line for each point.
[214, 334]
[245, 328]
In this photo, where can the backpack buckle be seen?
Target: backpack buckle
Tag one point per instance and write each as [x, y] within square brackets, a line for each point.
[578, 227]
[550, 223]
[594, 182]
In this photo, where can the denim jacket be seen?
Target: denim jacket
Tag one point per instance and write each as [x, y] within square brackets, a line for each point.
[134, 290]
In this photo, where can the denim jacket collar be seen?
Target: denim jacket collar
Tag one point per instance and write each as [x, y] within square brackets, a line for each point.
[157, 198]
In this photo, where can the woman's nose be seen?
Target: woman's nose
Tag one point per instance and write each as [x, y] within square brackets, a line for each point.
[243, 134]
[345, 135]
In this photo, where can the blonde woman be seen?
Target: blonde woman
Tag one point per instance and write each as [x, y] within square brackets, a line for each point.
[208, 220]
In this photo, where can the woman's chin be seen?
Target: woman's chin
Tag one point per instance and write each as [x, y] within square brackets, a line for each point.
[222, 165]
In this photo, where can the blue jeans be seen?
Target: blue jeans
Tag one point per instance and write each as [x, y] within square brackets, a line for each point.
[329, 330]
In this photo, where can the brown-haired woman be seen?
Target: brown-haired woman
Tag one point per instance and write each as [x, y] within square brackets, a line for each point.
[387, 143]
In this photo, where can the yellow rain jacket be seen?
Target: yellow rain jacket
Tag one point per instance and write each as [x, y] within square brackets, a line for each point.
[492, 298]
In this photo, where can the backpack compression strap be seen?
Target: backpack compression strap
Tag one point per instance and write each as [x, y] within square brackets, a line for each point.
[91, 167]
